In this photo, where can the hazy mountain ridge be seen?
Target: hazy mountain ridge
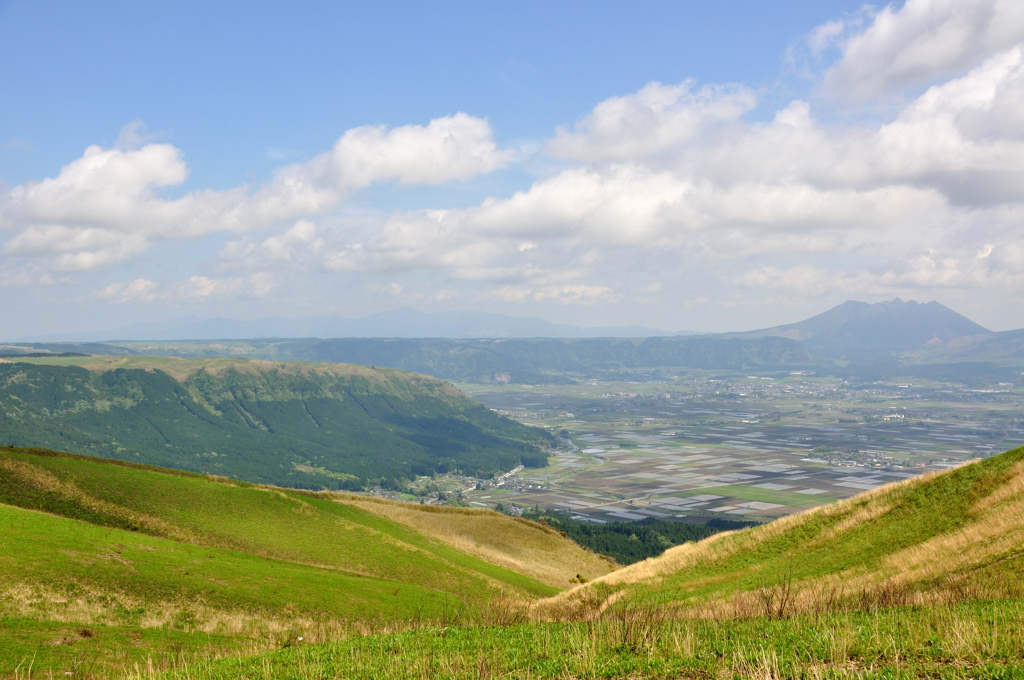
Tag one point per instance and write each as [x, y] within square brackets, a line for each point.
[530, 361]
[854, 339]
[400, 323]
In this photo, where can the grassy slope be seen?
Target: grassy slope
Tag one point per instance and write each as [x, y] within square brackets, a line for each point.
[103, 543]
[970, 640]
[700, 610]
[257, 420]
[960, 529]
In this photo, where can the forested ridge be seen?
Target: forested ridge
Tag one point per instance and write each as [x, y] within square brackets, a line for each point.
[287, 424]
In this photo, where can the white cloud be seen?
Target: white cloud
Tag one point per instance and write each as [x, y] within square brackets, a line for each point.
[825, 35]
[565, 295]
[919, 42]
[803, 279]
[651, 122]
[298, 246]
[139, 290]
[205, 289]
[106, 206]
[393, 289]
[989, 268]
[450, 148]
[132, 136]
[12, 276]
[671, 183]
[945, 164]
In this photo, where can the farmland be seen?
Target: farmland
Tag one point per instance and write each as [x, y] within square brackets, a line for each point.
[697, 445]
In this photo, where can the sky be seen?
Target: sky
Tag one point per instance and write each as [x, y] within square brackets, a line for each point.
[676, 165]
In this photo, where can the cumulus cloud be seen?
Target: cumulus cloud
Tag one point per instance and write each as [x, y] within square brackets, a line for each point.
[12, 276]
[139, 290]
[987, 268]
[299, 245]
[675, 169]
[651, 122]
[917, 43]
[205, 289]
[109, 204]
[450, 148]
[567, 294]
[925, 195]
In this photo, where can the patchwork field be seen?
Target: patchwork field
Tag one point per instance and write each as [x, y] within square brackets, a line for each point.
[700, 445]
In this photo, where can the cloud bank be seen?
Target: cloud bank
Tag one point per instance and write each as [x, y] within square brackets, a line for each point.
[674, 190]
[109, 205]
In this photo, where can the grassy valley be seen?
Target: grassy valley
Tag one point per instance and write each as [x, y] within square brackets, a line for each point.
[916, 579]
[319, 426]
[189, 562]
[111, 568]
[123, 569]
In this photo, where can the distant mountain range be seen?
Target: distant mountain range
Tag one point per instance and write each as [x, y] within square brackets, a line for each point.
[854, 339]
[400, 323]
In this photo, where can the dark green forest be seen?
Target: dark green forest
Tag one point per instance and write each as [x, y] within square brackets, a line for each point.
[630, 542]
[304, 427]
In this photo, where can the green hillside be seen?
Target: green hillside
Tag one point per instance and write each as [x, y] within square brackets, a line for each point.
[135, 570]
[921, 579]
[291, 424]
[957, 532]
[120, 549]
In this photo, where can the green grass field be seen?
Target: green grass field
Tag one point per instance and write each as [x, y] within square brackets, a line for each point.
[972, 640]
[117, 570]
[123, 548]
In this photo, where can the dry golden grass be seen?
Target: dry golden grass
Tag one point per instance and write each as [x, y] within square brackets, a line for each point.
[91, 607]
[181, 368]
[519, 545]
[995, 531]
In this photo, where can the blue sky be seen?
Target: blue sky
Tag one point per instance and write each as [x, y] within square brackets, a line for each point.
[713, 166]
